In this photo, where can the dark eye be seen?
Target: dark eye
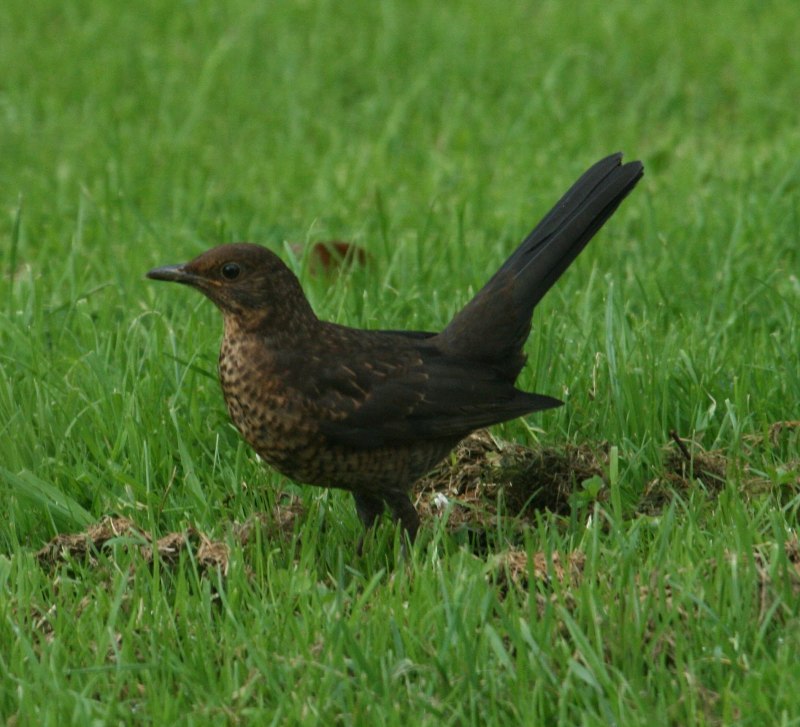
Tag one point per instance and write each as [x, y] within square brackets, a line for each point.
[230, 271]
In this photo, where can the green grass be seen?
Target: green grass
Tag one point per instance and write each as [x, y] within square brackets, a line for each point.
[434, 136]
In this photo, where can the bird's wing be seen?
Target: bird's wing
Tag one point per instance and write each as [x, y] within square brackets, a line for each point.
[408, 393]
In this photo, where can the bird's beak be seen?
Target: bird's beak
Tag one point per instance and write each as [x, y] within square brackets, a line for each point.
[173, 273]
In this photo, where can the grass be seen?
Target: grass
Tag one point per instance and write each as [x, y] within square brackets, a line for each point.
[433, 137]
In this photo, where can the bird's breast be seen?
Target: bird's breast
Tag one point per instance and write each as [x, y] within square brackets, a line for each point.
[267, 413]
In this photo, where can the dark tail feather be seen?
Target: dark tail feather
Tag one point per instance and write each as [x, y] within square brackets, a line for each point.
[493, 326]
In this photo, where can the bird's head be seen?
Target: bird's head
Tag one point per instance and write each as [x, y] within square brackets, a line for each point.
[245, 281]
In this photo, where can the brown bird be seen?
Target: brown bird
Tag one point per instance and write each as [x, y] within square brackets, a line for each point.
[372, 411]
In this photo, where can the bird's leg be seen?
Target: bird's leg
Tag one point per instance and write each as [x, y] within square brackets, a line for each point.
[403, 510]
[369, 509]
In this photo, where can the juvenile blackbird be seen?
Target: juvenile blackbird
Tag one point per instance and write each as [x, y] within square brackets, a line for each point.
[372, 411]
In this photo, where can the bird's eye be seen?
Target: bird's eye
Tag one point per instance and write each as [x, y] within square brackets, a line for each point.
[230, 271]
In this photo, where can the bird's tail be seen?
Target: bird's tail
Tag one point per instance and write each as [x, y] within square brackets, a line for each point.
[494, 325]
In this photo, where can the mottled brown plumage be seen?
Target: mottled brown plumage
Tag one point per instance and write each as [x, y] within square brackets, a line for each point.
[372, 411]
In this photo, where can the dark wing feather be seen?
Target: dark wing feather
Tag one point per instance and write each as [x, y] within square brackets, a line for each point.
[421, 394]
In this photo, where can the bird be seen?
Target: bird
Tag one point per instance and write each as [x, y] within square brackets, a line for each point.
[372, 411]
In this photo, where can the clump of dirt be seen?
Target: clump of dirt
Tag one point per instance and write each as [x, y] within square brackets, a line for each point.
[766, 573]
[792, 548]
[711, 468]
[790, 428]
[87, 545]
[557, 578]
[98, 537]
[548, 578]
[781, 441]
[280, 524]
[210, 555]
[482, 469]
[515, 567]
[684, 464]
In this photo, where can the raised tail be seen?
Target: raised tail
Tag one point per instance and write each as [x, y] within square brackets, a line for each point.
[494, 325]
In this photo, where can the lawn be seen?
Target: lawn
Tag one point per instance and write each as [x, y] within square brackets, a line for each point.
[629, 558]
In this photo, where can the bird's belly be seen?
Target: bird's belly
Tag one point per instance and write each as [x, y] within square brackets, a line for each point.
[289, 441]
